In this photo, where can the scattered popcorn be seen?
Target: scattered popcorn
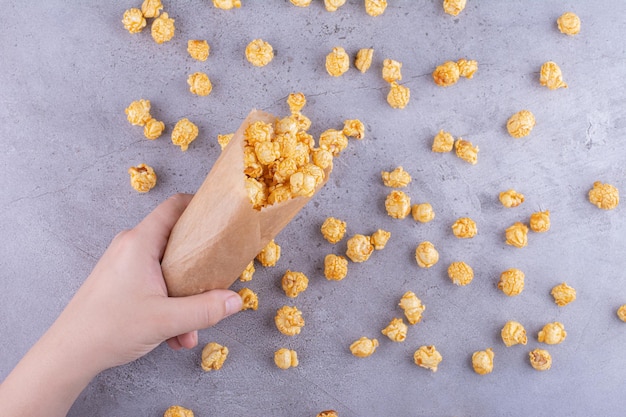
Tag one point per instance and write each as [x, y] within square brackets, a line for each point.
[337, 62]
[443, 142]
[466, 151]
[398, 204]
[511, 198]
[289, 320]
[517, 235]
[163, 28]
[227, 4]
[250, 300]
[550, 76]
[294, 283]
[464, 228]
[482, 361]
[426, 255]
[379, 239]
[563, 294]
[540, 359]
[133, 20]
[412, 306]
[520, 124]
[363, 60]
[328, 413]
[604, 196]
[569, 23]
[511, 282]
[224, 140]
[296, 102]
[392, 70]
[621, 312]
[335, 267]
[375, 7]
[333, 5]
[247, 273]
[301, 3]
[213, 356]
[142, 178]
[354, 128]
[363, 347]
[333, 229]
[540, 221]
[460, 273]
[467, 68]
[153, 129]
[151, 8]
[322, 158]
[270, 254]
[198, 49]
[453, 7]
[427, 357]
[286, 358]
[184, 133]
[334, 141]
[396, 178]
[396, 330]
[259, 53]
[398, 96]
[359, 248]
[513, 333]
[138, 112]
[199, 84]
[446, 74]
[552, 333]
[178, 411]
[423, 212]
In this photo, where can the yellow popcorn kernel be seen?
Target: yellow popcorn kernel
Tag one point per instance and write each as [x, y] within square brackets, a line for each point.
[142, 178]
[138, 112]
[285, 358]
[257, 193]
[604, 196]
[363, 347]
[279, 194]
[398, 96]
[569, 23]
[392, 70]
[184, 133]
[552, 333]
[466, 151]
[337, 62]
[286, 126]
[520, 124]
[133, 20]
[446, 74]
[178, 411]
[453, 7]
[296, 102]
[511, 282]
[322, 158]
[224, 140]
[301, 3]
[333, 5]
[283, 169]
[334, 141]
[259, 132]
[354, 128]
[303, 122]
[151, 8]
[213, 356]
[540, 221]
[412, 306]
[513, 333]
[380, 238]
[460, 273]
[482, 361]
[259, 53]
[270, 254]
[247, 273]
[443, 142]
[305, 180]
[301, 154]
[153, 129]
[467, 68]
[227, 4]
[550, 76]
[621, 312]
[328, 413]
[540, 359]
[198, 49]
[250, 300]
[563, 294]
[396, 178]
[375, 7]
[423, 212]
[396, 330]
[252, 167]
[294, 283]
[464, 228]
[163, 28]
[426, 255]
[427, 357]
[517, 235]
[199, 84]
[289, 320]
[511, 198]
[333, 229]
[398, 204]
[306, 139]
[363, 60]
[335, 267]
[359, 248]
[267, 152]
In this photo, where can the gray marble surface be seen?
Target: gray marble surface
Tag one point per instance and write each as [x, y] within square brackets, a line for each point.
[68, 70]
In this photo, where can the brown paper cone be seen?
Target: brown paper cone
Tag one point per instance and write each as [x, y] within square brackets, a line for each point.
[220, 233]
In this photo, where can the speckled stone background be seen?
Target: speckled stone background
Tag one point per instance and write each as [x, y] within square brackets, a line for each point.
[68, 70]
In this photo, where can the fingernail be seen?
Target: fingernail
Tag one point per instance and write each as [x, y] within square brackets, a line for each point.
[233, 304]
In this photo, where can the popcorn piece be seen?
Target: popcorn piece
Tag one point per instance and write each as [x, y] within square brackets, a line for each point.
[540, 221]
[247, 273]
[460, 273]
[511, 198]
[142, 178]
[520, 124]
[354, 128]
[380, 238]
[259, 53]
[257, 193]
[296, 101]
[467, 68]
[334, 141]
[250, 300]
[133, 20]
[513, 333]
[269, 255]
[427, 357]
[550, 76]
[151, 8]
[163, 28]
[621, 312]
[199, 84]
[363, 347]
[563, 294]
[552, 333]
[569, 23]
[443, 142]
[224, 140]
[396, 178]
[422, 213]
[453, 7]
[375, 7]
[138, 112]
[305, 181]
[398, 204]
[482, 361]
[328, 413]
[426, 255]
[227, 4]
[198, 49]
[464, 228]
[466, 151]
[153, 129]
[511, 282]
[333, 5]
[301, 3]
[398, 96]
[322, 158]
[294, 283]
[604, 196]
[286, 358]
[363, 60]
[303, 122]
[446, 74]
[259, 132]
[333, 229]
[184, 133]
[178, 411]
[267, 152]
[540, 359]
[338, 61]
[396, 330]
[359, 248]
[335, 267]
[517, 235]
[412, 306]
[289, 320]
[213, 356]
[392, 70]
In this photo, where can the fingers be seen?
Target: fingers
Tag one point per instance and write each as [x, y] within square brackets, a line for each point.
[173, 343]
[188, 340]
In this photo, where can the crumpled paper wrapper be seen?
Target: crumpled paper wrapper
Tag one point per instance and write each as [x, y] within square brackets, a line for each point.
[219, 233]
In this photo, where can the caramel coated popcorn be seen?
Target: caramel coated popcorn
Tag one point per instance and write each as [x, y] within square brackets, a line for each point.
[511, 282]
[354, 128]
[552, 333]
[250, 299]
[604, 196]
[398, 96]
[163, 28]
[380, 238]
[289, 320]
[334, 141]
[517, 235]
[563, 294]
[296, 102]
[337, 62]
[294, 283]
[550, 76]
[443, 142]
[259, 53]
[286, 358]
[227, 4]
[466, 151]
[198, 49]
[520, 124]
[460, 273]
[363, 347]
[151, 8]
[412, 306]
[540, 221]
[138, 112]
[540, 359]
[621, 312]
[392, 70]
[133, 20]
[333, 229]
[213, 356]
[396, 330]
[427, 357]
[359, 248]
[396, 178]
[423, 212]
[511, 198]
[453, 7]
[398, 204]
[270, 254]
[482, 361]
[333, 5]
[153, 129]
[335, 267]
[467, 68]
[464, 228]
[363, 60]
[426, 255]
[569, 23]
[447, 74]
[224, 140]
[184, 133]
[301, 3]
[199, 84]
[247, 273]
[513, 333]
[178, 411]
[375, 7]
[328, 413]
[142, 178]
